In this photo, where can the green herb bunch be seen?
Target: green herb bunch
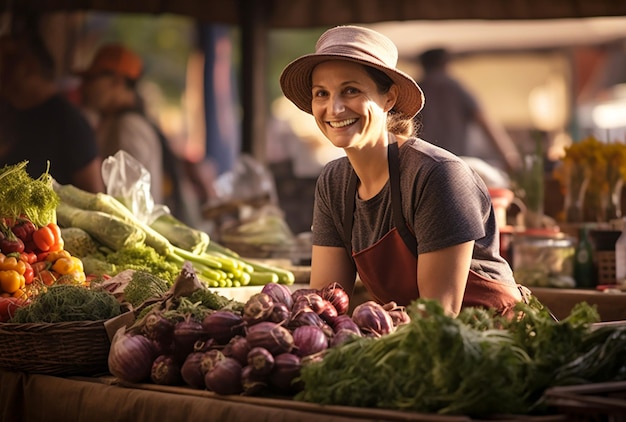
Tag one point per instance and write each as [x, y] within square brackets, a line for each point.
[475, 364]
[21, 195]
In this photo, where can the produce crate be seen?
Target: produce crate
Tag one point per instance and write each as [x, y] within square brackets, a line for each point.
[605, 262]
[599, 402]
[65, 348]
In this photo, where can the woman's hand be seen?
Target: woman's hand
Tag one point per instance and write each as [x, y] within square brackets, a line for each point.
[442, 275]
[329, 265]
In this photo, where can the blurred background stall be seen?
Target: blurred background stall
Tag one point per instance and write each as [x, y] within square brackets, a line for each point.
[550, 76]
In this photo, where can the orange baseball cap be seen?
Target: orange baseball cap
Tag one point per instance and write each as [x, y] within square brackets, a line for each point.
[117, 59]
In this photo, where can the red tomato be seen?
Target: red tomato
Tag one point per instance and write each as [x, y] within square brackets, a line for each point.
[40, 266]
[47, 277]
[29, 257]
[29, 274]
[8, 307]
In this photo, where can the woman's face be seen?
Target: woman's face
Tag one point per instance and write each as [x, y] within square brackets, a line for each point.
[347, 105]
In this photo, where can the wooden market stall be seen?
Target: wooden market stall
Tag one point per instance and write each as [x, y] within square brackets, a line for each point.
[38, 397]
[103, 400]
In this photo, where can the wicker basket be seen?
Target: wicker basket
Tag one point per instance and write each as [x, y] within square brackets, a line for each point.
[65, 348]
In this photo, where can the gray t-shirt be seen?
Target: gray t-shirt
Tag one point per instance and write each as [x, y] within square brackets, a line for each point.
[444, 202]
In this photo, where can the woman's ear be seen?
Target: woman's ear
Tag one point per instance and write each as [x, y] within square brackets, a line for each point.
[392, 97]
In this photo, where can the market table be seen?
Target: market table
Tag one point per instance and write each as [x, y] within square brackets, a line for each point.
[29, 397]
[611, 304]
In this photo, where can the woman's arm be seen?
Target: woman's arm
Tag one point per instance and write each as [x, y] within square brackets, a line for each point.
[329, 265]
[442, 275]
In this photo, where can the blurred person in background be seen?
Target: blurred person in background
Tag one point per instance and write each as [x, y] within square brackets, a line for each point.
[451, 109]
[37, 123]
[109, 91]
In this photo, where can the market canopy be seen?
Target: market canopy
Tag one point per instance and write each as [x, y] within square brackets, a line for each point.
[311, 13]
[256, 17]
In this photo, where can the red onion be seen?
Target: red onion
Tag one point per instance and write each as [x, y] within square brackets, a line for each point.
[328, 312]
[203, 345]
[300, 305]
[237, 348]
[252, 383]
[335, 294]
[308, 340]
[261, 361]
[162, 349]
[210, 359]
[399, 316]
[159, 328]
[131, 356]
[372, 319]
[223, 325]
[313, 300]
[192, 372]
[344, 322]
[280, 313]
[279, 293]
[165, 371]
[275, 338]
[257, 308]
[309, 318]
[306, 360]
[186, 334]
[301, 292]
[318, 304]
[286, 368]
[225, 377]
[342, 336]
[306, 317]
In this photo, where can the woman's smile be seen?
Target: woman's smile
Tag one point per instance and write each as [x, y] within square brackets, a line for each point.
[341, 123]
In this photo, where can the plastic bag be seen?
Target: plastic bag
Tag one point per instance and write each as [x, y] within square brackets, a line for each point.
[127, 180]
[248, 180]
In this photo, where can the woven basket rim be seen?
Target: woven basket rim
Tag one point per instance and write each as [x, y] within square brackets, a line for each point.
[63, 323]
[61, 348]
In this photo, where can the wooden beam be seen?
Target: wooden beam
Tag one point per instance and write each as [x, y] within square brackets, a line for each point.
[254, 45]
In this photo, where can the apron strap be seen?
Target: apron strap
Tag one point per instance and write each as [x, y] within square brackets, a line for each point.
[396, 199]
[348, 218]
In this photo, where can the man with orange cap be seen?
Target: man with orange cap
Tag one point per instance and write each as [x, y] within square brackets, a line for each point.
[109, 90]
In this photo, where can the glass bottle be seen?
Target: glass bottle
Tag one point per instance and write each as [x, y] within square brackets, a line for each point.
[584, 271]
[620, 256]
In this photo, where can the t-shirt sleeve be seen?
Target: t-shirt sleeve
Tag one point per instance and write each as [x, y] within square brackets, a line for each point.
[327, 211]
[451, 207]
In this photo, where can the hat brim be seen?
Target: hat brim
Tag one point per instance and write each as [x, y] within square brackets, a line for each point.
[295, 82]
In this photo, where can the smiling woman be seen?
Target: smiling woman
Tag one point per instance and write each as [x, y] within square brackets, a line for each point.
[414, 219]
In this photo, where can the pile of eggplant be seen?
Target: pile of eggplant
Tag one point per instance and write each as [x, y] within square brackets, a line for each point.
[258, 349]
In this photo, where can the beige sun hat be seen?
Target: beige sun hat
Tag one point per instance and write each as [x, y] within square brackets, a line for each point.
[355, 44]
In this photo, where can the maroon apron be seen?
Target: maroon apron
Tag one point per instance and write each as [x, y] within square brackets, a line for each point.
[388, 268]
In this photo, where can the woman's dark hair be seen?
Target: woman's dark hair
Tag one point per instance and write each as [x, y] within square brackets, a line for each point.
[396, 122]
